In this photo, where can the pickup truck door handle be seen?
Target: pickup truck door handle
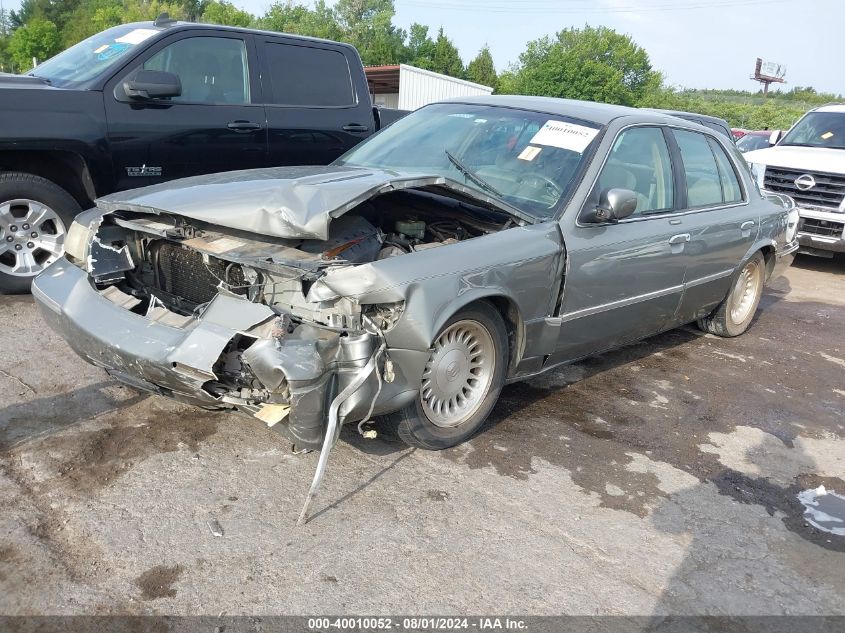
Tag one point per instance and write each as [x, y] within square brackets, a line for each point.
[243, 126]
[356, 127]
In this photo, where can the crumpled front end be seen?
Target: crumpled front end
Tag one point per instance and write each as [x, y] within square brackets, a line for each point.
[236, 354]
[230, 318]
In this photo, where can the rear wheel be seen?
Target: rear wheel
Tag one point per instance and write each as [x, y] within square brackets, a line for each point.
[735, 313]
[461, 381]
[34, 217]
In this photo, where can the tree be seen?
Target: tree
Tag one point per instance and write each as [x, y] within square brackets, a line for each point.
[481, 69]
[595, 64]
[38, 38]
[222, 12]
[368, 25]
[287, 17]
[446, 58]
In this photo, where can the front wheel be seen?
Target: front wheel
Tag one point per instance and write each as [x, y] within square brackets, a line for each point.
[35, 214]
[461, 381]
[735, 313]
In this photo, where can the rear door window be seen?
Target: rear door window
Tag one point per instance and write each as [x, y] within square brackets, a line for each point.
[731, 191]
[704, 184]
[710, 176]
[307, 76]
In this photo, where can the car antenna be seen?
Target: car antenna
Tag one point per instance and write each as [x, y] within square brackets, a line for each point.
[164, 19]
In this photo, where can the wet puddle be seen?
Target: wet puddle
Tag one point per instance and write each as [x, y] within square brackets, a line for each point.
[824, 510]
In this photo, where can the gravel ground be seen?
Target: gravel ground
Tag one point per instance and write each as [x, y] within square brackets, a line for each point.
[660, 478]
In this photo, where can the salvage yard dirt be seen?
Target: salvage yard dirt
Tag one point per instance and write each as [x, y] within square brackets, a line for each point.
[660, 478]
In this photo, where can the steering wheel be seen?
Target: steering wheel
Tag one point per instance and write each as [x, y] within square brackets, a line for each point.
[551, 186]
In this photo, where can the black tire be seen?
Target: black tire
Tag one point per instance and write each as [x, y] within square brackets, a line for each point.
[721, 322]
[412, 423]
[23, 186]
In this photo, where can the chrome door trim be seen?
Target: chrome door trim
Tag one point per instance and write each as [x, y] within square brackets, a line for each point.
[621, 303]
[707, 279]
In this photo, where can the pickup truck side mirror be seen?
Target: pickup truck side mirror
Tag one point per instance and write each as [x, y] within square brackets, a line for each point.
[774, 137]
[152, 84]
[614, 205]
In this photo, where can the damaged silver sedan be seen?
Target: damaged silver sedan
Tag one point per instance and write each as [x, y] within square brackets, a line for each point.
[469, 245]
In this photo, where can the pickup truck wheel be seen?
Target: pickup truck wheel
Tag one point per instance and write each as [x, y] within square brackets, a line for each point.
[735, 313]
[34, 217]
[461, 382]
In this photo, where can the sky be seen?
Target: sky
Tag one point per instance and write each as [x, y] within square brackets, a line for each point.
[694, 43]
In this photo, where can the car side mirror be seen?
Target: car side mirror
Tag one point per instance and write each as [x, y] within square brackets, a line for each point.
[774, 137]
[152, 84]
[614, 205]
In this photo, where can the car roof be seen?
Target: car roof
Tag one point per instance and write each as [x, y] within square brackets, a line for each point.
[175, 25]
[601, 113]
[832, 107]
[685, 115]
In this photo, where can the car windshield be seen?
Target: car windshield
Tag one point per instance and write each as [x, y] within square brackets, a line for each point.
[818, 129]
[90, 57]
[527, 159]
[750, 142]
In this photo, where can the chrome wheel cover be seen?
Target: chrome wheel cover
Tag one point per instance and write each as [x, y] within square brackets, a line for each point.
[32, 236]
[458, 374]
[745, 291]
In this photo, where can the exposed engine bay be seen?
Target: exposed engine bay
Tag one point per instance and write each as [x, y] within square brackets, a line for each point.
[179, 264]
[171, 270]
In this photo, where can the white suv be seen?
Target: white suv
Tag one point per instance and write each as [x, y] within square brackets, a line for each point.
[808, 164]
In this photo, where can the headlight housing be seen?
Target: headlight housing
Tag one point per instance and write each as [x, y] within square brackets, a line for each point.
[80, 234]
[758, 171]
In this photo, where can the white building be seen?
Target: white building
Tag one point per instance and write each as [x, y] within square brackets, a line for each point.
[408, 88]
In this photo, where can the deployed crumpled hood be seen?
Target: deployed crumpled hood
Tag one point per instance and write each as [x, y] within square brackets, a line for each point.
[288, 202]
[823, 159]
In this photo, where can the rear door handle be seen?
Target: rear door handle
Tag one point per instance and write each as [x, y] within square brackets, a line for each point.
[356, 127]
[747, 226]
[677, 242]
[243, 126]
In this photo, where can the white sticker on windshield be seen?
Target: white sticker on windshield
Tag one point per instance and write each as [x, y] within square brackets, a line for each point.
[136, 36]
[529, 153]
[564, 135]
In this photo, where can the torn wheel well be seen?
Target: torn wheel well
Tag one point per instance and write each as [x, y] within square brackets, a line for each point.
[769, 257]
[514, 326]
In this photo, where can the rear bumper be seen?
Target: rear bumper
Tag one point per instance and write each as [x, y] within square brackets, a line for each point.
[310, 365]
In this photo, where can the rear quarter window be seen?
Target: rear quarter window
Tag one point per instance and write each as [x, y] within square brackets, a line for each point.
[307, 76]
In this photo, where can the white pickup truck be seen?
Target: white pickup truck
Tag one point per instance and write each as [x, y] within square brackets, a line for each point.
[808, 164]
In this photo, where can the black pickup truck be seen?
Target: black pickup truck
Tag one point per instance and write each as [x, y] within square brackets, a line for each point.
[146, 102]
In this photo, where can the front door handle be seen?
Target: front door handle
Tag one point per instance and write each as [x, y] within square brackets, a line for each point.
[356, 127]
[243, 126]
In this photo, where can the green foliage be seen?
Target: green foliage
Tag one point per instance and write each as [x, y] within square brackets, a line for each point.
[287, 17]
[226, 13]
[446, 59]
[368, 26]
[591, 63]
[595, 64]
[37, 38]
[481, 69]
[740, 108]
